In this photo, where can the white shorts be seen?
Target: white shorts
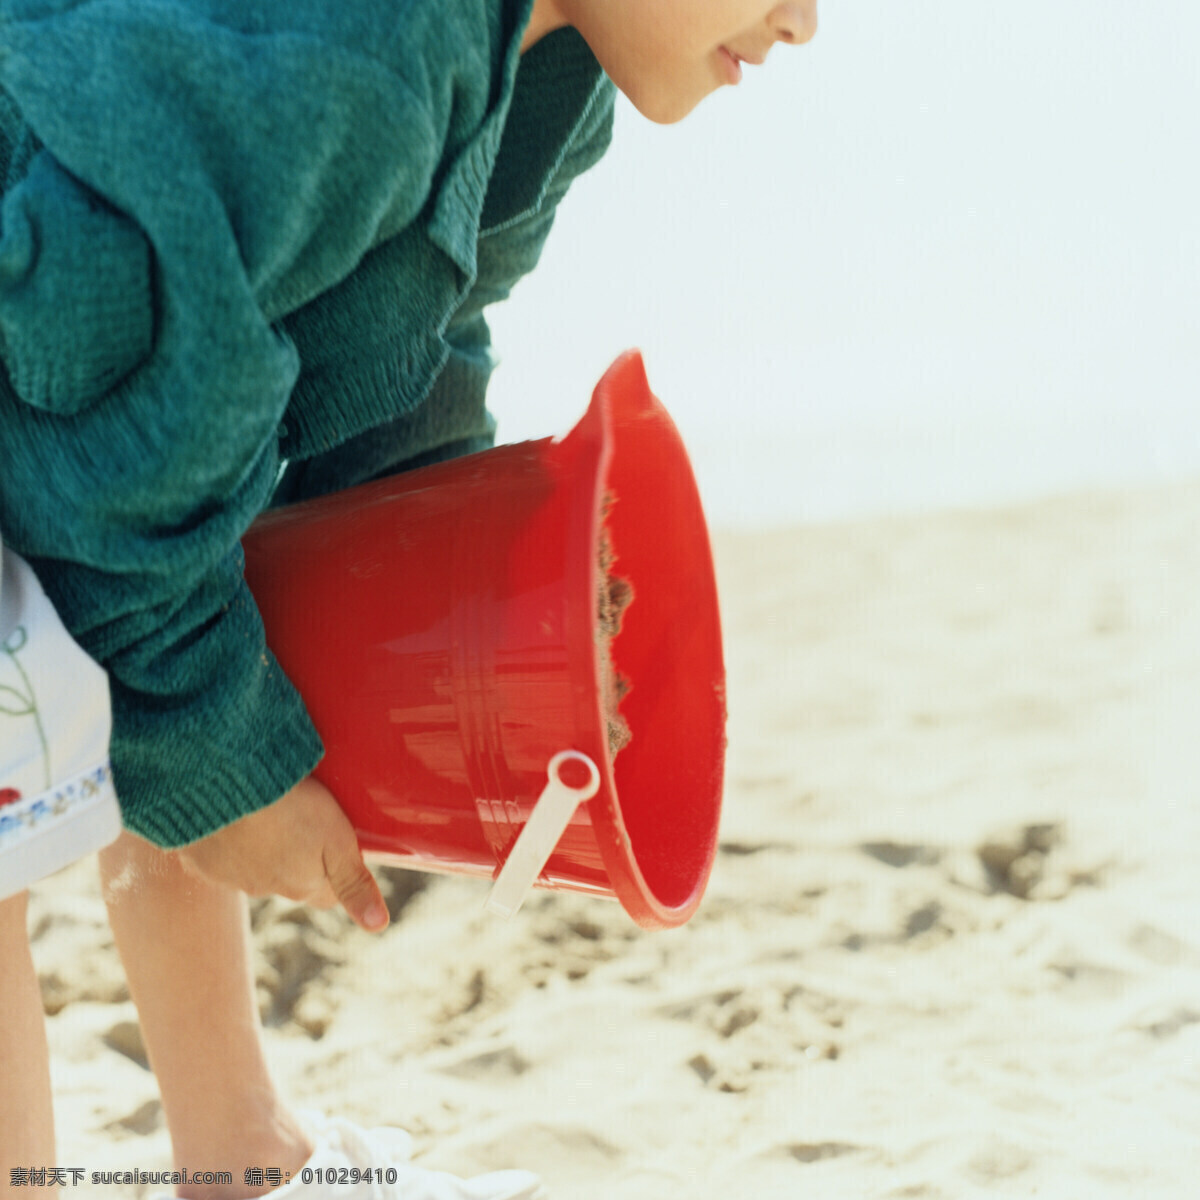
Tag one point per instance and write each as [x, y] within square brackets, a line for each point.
[57, 801]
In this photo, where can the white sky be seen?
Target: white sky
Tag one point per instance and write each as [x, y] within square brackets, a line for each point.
[947, 254]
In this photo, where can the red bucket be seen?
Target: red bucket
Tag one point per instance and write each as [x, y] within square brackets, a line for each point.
[442, 626]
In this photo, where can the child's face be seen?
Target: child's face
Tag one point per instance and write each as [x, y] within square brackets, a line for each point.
[667, 55]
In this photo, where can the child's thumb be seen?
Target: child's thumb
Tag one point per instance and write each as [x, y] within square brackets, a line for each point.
[356, 889]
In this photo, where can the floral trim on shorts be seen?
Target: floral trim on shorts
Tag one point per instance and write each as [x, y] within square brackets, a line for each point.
[18, 817]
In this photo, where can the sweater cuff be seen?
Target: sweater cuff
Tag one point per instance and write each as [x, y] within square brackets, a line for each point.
[219, 771]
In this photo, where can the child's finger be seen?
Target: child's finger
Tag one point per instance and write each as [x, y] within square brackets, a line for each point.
[355, 887]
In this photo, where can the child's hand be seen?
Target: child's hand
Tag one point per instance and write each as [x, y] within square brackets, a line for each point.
[302, 847]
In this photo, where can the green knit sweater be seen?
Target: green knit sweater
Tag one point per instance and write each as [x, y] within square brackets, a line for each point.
[234, 233]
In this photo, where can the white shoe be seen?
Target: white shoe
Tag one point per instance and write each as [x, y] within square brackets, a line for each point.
[342, 1145]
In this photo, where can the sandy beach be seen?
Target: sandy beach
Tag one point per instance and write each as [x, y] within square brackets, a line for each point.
[951, 947]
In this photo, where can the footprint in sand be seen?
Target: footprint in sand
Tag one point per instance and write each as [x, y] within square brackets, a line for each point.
[125, 1037]
[899, 855]
[749, 1031]
[296, 946]
[1166, 1021]
[812, 1152]
[499, 1063]
[76, 961]
[144, 1120]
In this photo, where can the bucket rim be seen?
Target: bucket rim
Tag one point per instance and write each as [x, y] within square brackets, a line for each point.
[597, 434]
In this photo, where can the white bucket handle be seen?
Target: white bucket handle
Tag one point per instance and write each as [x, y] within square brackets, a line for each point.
[547, 823]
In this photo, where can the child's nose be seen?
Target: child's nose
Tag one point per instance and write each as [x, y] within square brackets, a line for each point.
[795, 23]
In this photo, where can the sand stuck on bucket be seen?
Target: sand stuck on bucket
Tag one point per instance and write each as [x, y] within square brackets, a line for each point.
[614, 596]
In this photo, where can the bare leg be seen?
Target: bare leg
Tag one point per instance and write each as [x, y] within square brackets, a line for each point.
[186, 948]
[26, 1108]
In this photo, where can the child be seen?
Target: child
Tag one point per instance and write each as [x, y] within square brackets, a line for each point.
[244, 252]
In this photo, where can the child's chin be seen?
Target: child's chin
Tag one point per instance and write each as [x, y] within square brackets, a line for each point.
[665, 108]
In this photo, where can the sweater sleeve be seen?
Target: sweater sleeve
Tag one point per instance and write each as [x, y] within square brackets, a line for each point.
[63, 348]
[192, 182]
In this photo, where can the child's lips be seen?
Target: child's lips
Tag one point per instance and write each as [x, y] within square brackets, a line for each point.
[732, 62]
[732, 65]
